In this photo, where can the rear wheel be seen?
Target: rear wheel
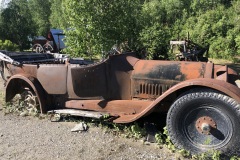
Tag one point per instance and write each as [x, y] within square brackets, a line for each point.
[200, 121]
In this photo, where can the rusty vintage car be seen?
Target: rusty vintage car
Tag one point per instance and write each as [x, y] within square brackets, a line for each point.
[201, 99]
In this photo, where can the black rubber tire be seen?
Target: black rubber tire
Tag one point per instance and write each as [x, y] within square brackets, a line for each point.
[188, 108]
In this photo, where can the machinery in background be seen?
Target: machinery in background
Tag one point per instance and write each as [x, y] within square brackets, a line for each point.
[53, 43]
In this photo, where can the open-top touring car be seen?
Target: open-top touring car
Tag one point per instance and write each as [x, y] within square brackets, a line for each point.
[202, 100]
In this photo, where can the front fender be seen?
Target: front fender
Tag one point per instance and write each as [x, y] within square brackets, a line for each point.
[15, 83]
[219, 85]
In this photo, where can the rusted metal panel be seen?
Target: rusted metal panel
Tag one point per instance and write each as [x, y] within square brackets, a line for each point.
[110, 79]
[151, 79]
[209, 70]
[24, 69]
[53, 78]
[114, 107]
[89, 81]
[169, 70]
[120, 69]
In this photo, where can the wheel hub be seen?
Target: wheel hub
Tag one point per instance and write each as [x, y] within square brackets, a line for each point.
[205, 124]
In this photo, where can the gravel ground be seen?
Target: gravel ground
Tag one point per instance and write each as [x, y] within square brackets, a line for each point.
[32, 138]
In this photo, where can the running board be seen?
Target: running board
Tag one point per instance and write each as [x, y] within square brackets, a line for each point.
[81, 113]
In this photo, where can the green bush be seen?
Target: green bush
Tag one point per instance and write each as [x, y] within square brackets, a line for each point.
[8, 45]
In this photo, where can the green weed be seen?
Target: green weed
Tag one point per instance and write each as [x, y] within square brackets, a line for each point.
[209, 155]
[18, 106]
[235, 158]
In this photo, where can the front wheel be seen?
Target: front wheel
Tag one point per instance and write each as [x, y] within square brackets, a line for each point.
[29, 102]
[200, 121]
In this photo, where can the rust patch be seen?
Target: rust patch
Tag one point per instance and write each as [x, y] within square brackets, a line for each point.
[205, 124]
[192, 70]
[208, 70]
[119, 107]
[150, 79]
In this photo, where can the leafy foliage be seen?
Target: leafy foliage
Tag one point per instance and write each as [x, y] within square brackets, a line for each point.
[98, 25]
[18, 106]
[40, 11]
[155, 39]
[57, 18]
[17, 24]
[8, 45]
[213, 28]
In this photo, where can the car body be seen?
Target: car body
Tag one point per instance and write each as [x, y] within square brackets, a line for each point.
[127, 88]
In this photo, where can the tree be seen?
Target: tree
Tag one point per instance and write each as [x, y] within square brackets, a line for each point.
[97, 25]
[57, 17]
[201, 6]
[40, 11]
[159, 19]
[214, 28]
[17, 24]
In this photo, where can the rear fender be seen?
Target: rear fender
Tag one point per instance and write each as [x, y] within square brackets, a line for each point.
[17, 82]
[218, 85]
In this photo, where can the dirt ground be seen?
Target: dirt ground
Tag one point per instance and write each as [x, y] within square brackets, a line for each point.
[34, 138]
